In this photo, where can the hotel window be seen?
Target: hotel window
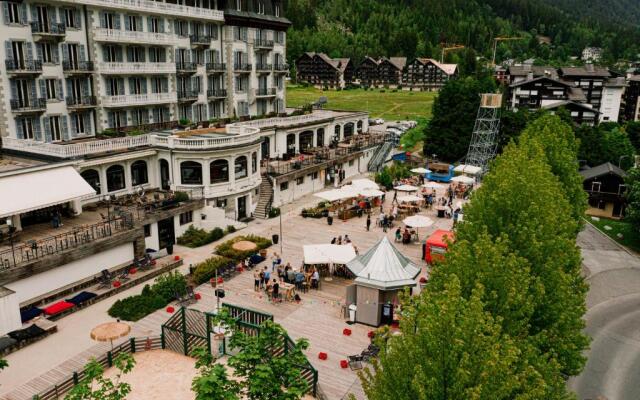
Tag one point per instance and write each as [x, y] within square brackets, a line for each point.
[92, 177]
[219, 171]
[260, 7]
[240, 33]
[115, 178]
[77, 122]
[154, 24]
[181, 28]
[114, 86]
[54, 128]
[191, 173]
[276, 8]
[241, 167]
[48, 53]
[300, 180]
[157, 54]
[133, 23]
[284, 186]
[254, 162]
[50, 89]
[135, 54]
[239, 5]
[72, 18]
[241, 84]
[25, 128]
[139, 175]
[110, 20]
[112, 53]
[140, 116]
[12, 13]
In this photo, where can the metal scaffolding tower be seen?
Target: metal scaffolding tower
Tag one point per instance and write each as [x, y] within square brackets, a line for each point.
[484, 140]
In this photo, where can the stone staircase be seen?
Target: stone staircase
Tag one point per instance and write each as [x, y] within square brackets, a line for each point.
[266, 197]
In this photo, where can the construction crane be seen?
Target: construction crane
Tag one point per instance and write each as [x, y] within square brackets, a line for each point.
[446, 49]
[495, 46]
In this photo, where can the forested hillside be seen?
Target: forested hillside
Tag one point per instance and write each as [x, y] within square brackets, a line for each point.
[355, 28]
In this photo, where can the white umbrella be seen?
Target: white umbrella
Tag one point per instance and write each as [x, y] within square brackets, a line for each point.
[433, 185]
[408, 199]
[370, 192]
[463, 179]
[420, 171]
[406, 188]
[418, 221]
[364, 184]
[467, 169]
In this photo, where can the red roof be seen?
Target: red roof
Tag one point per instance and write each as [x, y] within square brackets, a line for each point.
[438, 238]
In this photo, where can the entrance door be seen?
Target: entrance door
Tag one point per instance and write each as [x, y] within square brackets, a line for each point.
[242, 207]
[164, 175]
[265, 148]
[166, 233]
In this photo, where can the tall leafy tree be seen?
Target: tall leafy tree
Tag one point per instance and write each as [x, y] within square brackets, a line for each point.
[94, 386]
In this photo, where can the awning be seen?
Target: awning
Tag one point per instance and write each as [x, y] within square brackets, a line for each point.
[364, 184]
[23, 192]
[463, 179]
[328, 253]
[409, 199]
[337, 194]
[467, 169]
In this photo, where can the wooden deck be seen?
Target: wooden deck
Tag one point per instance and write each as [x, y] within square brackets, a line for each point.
[317, 317]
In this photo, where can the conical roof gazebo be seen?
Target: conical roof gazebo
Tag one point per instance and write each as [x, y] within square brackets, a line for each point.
[381, 273]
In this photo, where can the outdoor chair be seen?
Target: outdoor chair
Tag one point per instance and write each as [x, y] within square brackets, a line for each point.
[105, 279]
[124, 275]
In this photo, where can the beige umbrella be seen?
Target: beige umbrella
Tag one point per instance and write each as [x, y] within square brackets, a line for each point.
[109, 331]
[244, 245]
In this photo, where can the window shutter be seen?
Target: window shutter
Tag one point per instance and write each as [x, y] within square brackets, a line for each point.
[143, 56]
[165, 85]
[47, 129]
[19, 128]
[82, 50]
[73, 129]
[116, 19]
[129, 54]
[166, 114]
[149, 23]
[43, 88]
[34, 91]
[138, 22]
[176, 27]
[105, 53]
[132, 83]
[69, 88]
[119, 54]
[77, 21]
[52, 14]
[59, 91]
[14, 89]
[37, 131]
[207, 56]
[29, 51]
[65, 127]
[7, 50]
[163, 54]
[5, 12]
[65, 52]
[86, 117]
[127, 23]
[55, 53]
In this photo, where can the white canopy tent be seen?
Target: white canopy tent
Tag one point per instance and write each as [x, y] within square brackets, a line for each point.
[467, 169]
[41, 188]
[463, 179]
[409, 199]
[328, 253]
[420, 171]
[370, 192]
[433, 185]
[406, 188]
[337, 194]
[364, 184]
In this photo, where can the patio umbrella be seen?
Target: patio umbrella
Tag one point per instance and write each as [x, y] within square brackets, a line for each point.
[433, 185]
[463, 179]
[420, 171]
[109, 331]
[409, 199]
[418, 221]
[406, 188]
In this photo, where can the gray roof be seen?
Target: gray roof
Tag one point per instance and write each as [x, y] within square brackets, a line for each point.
[564, 103]
[384, 267]
[540, 78]
[536, 70]
[588, 70]
[602, 169]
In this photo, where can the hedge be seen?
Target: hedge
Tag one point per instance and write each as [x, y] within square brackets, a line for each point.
[226, 249]
[207, 269]
[196, 237]
[152, 298]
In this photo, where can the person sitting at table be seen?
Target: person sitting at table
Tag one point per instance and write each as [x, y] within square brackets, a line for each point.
[333, 241]
[406, 236]
[339, 240]
[315, 278]
[299, 279]
[346, 239]
[291, 275]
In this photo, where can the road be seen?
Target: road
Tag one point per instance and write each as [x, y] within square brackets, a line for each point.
[612, 319]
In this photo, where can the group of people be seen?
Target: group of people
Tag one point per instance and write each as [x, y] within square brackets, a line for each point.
[272, 279]
[340, 240]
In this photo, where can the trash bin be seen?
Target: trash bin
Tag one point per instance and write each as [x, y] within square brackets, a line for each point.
[352, 312]
[330, 220]
[170, 249]
[275, 238]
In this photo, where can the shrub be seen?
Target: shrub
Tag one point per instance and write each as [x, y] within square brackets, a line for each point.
[231, 228]
[184, 121]
[274, 212]
[181, 196]
[207, 269]
[226, 249]
[196, 237]
[170, 284]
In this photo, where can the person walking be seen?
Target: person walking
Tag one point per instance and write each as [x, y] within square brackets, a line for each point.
[368, 222]
[256, 281]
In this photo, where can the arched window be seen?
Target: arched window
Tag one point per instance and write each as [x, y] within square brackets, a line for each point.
[164, 174]
[241, 167]
[93, 179]
[359, 126]
[336, 133]
[348, 130]
[306, 140]
[254, 162]
[320, 137]
[291, 143]
[115, 178]
[139, 173]
[219, 171]
[191, 173]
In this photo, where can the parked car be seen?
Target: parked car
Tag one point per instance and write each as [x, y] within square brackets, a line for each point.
[379, 121]
[395, 132]
[409, 124]
[398, 128]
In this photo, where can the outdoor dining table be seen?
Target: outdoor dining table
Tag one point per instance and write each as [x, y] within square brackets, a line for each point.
[440, 210]
[289, 291]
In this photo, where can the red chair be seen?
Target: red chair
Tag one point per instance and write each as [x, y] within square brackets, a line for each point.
[322, 355]
[170, 310]
[346, 332]
[344, 364]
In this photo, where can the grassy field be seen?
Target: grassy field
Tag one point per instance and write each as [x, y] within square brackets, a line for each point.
[630, 237]
[387, 105]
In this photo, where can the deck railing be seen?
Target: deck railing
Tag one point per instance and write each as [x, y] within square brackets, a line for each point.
[156, 7]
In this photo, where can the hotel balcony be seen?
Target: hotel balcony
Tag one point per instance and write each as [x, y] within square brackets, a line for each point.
[48, 32]
[244, 68]
[201, 41]
[127, 100]
[260, 67]
[216, 67]
[21, 67]
[263, 44]
[281, 68]
[129, 68]
[78, 68]
[264, 92]
[155, 7]
[75, 103]
[217, 93]
[186, 67]
[32, 106]
[187, 95]
[118, 36]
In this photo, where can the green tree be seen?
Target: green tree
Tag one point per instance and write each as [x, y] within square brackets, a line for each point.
[94, 386]
[560, 148]
[633, 132]
[605, 143]
[454, 113]
[632, 213]
[512, 123]
[450, 348]
[212, 382]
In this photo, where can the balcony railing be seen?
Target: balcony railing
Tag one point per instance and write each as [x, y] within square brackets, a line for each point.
[186, 67]
[242, 67]
[155, 7]
[21, 66]
[263, 43]
[138, 99]
[216, 67]
[78, 67]
[84, 101]
[200, 40]
[115, 35]
[216, 93]
[187, 95]
[265, 92]
[281, 67]
[137, 67]
[32, 105]
[264, 67]
[54, 30]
